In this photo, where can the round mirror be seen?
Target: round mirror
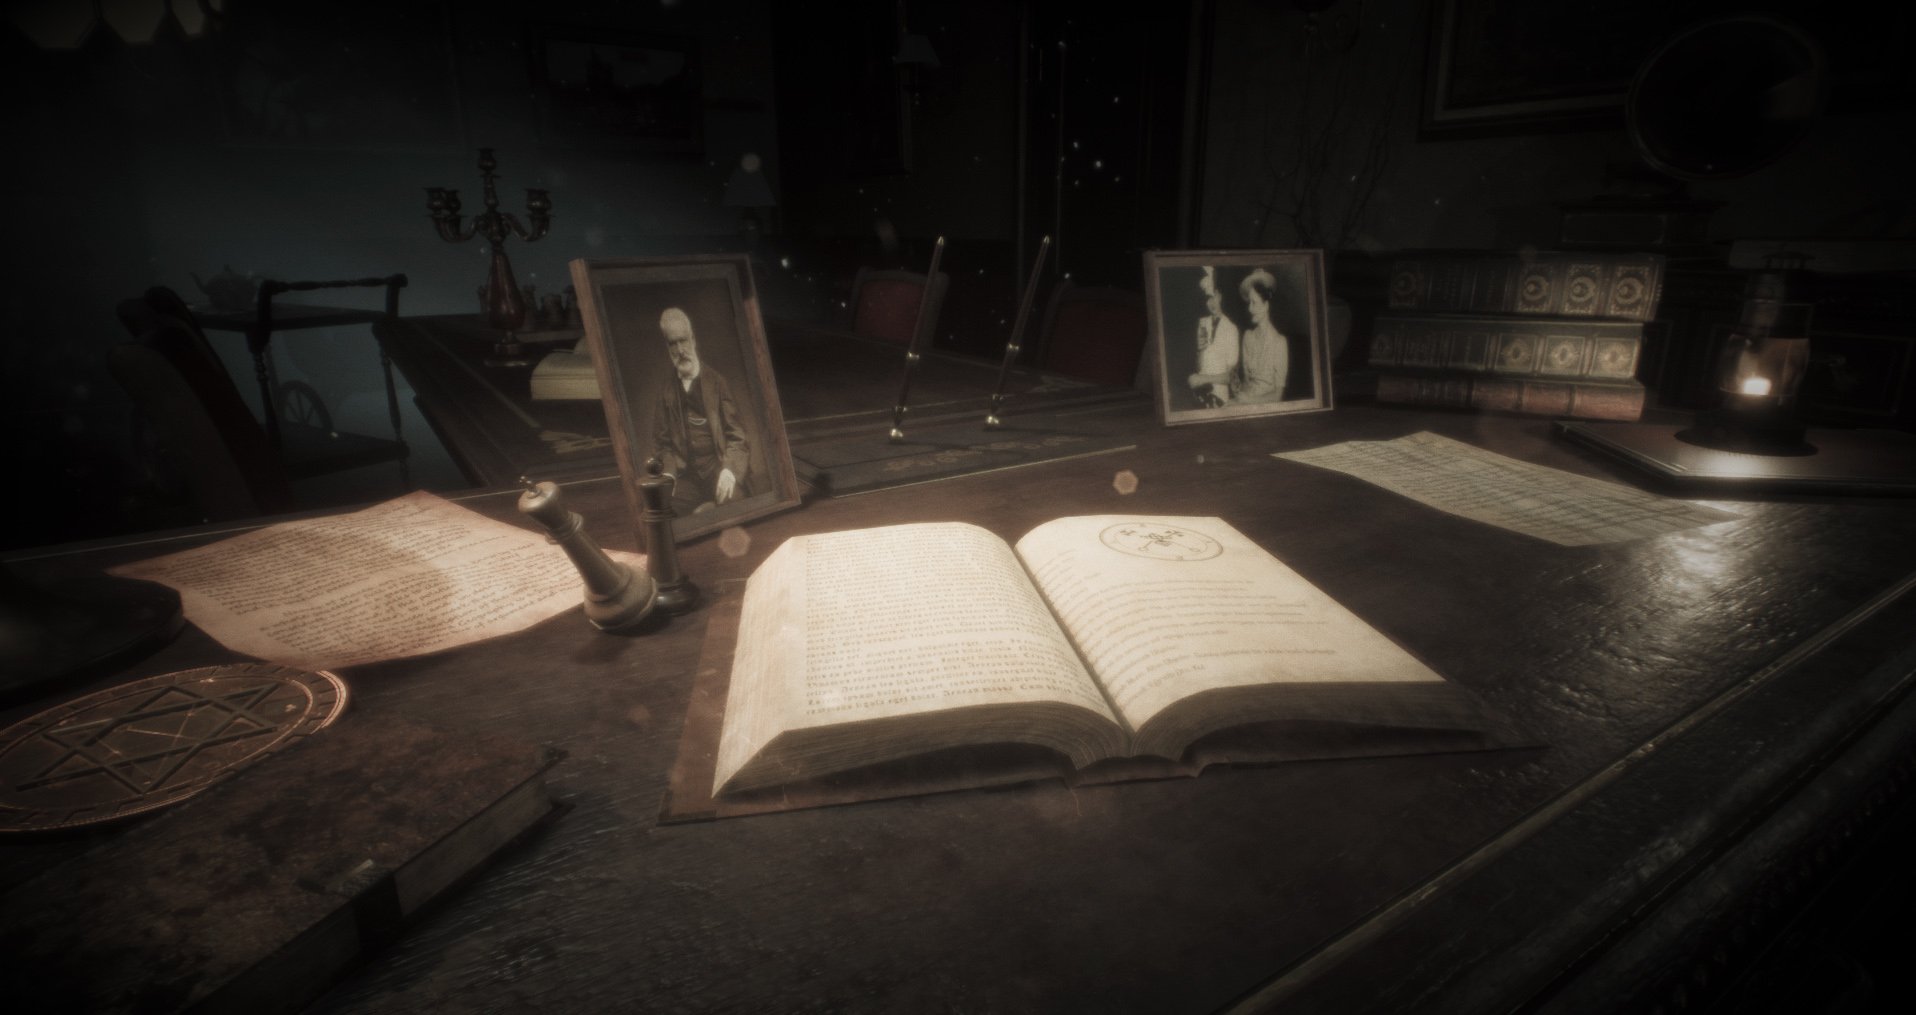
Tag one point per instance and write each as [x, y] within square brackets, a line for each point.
[1725, 97]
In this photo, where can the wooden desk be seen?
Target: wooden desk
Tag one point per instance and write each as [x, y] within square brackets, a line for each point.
[1725, 708]
[830, 383]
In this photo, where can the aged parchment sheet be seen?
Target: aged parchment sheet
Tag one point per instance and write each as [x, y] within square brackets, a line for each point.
[413, 575]
[1550, 504]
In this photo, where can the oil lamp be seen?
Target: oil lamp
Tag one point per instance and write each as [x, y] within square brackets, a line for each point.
[1759, 370]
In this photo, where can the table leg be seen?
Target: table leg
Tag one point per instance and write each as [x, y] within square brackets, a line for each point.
[256, 344]
[392, 409]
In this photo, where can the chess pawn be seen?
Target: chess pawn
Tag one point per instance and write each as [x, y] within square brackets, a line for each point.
[677, 594]
[616, 596]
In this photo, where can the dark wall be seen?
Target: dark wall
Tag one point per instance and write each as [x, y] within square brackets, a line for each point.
[932, 151]
[293, 140]
[1343, 89]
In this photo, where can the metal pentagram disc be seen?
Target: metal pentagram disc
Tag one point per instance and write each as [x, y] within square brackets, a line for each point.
[154, 742]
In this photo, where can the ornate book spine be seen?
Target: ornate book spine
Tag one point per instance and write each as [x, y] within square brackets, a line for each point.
[1580, 399]
[1509, 346]
[1618, 287]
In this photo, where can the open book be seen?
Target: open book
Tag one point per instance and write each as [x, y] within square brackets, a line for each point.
[1099, 637]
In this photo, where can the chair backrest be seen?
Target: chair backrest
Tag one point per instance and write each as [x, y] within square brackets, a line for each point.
[159, 307]
[172, 374]
[1093, 333]
[885, 304]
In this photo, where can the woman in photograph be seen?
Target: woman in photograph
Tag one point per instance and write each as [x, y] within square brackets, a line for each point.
[1265, 361]
[1217, 347]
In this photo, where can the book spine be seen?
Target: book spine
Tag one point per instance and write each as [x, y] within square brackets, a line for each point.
[1584, 400]
[1419, 389]
[1509, 346]
[1586, 285]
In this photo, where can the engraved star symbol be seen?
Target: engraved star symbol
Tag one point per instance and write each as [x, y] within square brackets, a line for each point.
[102, 743]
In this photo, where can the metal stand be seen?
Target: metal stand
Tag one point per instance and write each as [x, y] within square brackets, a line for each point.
[917, 339]
[1015, 343]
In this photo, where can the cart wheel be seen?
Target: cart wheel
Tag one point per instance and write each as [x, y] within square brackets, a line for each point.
[299, 403]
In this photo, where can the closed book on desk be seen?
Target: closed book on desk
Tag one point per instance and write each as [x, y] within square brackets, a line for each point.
[254, 895]
[565, 375]
[1508, 346]
[1530, 396]
[918, 658]
[1558, 284]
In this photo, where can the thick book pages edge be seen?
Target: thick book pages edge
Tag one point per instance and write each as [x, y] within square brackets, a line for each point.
[688, 795]
[254, 895]
[565, 376]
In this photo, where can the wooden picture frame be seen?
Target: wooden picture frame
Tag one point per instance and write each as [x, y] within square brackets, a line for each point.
[1499, 67]
[629, 305]
[1289, 372]
[636, 91]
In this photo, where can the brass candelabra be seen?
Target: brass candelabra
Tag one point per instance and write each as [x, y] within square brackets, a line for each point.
[505, 304]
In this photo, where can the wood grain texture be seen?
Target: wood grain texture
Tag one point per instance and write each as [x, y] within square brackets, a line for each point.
[1187, 895]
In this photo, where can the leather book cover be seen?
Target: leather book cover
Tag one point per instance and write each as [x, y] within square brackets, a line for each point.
[252, 896]
[1509, 346]
[1561, 284]
[1618, 400]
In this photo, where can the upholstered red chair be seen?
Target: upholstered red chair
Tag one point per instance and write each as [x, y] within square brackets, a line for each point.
[1093, 333]
[885, 304]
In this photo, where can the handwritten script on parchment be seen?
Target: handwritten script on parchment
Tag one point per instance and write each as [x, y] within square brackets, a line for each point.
[1562, 507]
[414, 575]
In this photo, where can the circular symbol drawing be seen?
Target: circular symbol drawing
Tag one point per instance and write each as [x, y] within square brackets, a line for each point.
[154, 742]
[1159, 541]
[1629, 293]
[1404, 285]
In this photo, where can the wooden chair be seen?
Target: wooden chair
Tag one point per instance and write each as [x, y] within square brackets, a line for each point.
[230, 463]
[1093, 333]
[885, 304]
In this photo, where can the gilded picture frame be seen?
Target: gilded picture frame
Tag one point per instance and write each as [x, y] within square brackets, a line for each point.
[712, 418]
[1237, 333]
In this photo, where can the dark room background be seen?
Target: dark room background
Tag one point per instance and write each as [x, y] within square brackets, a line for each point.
[294, 140]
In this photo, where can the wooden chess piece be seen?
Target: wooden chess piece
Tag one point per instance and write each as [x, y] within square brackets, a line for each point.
[677, 594]
[616, 596]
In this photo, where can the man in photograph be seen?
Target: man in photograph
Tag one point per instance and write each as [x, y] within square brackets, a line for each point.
[1217, 347]
[698, 432]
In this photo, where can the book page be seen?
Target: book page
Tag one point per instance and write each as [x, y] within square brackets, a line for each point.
[1536, 500]
[846, 627]
[1165, 608]
[410, 576]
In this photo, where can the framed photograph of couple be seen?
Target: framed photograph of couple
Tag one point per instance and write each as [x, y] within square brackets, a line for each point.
[686, 377]
[1237, 333]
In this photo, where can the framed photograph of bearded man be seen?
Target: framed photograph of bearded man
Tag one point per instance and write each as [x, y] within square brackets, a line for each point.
[1237, 333]
[685, 377]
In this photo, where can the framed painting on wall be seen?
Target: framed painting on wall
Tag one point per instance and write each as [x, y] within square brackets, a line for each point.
[637, 91]
[1517, 66]
[305, 74]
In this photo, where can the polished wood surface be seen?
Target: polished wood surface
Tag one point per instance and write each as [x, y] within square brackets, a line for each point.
[1704, 696]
